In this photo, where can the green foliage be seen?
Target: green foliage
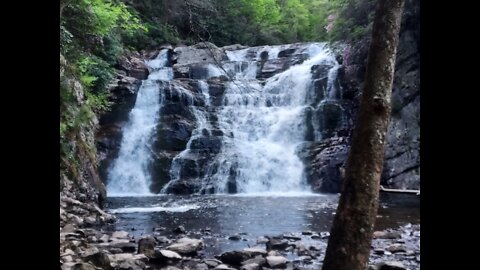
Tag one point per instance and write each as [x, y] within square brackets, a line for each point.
[95, 73]
[354, 21]
[98, 102]
[105, 15]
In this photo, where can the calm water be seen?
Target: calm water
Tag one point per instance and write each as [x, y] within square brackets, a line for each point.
[216, 217]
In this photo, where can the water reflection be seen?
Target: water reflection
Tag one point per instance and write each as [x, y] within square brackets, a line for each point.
[216, 217]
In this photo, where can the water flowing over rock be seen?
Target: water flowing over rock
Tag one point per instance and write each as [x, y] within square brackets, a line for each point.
[268, 119]
[228, 120]
[130, 171]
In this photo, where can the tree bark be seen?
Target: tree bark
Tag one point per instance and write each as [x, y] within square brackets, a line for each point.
[352, 229]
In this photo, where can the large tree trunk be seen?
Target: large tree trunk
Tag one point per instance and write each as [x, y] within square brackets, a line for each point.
[352, 229]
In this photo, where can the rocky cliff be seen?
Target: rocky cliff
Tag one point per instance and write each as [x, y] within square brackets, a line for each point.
[402, 157]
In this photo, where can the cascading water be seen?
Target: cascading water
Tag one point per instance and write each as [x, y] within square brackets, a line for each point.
[267, 124]
[129, 174]
[244, 140]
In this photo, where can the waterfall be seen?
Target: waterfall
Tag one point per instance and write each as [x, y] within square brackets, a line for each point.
[239, 125]
[267, 124]
[129, 174]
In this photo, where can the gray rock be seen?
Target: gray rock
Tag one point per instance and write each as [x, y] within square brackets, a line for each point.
[223, 267]
[324, 235]
[212, 262]
[163, 240]
[201, 266]
[397, 248]
[262, 240]
[89, 251]
[120, 235]
[324, 160]
[273, 253]
[277, 261]
[234, 257]
[124, 245]
[179, 229]
[104, 238]
[165, 255]
[276, 243]
[254, 251]
[390, 266]
[302, 250]
[147, 245]
[386, 235]
[127, 260]
[186, 246]
[251, 266]
[84, 266]
[204, 52]
[235, 237]
[259, 260]
[99, 259]
[292, 237]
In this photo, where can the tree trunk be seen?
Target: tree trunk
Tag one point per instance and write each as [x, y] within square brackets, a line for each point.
[352, 229]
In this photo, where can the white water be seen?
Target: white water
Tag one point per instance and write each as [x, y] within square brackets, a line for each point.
[129, 175]
[177, 209]
[267, 123]
[263, 125]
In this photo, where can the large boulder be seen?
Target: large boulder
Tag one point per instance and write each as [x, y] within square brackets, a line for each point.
[186, 246]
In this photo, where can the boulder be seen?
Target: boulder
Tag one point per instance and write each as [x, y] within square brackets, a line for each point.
[186, 246]
[146, 245]
[277, 261]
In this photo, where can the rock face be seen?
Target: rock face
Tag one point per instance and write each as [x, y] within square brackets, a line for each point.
[130, 72]
[81, 188]
[402, 151]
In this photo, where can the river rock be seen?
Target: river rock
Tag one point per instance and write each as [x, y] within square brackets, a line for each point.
[250, 266]
[120, 235]
[254, 251]
[235, 237]
[163, 255]
[146, 245]
[104, 238]
[223, 267]
[262, 240]
[212, 262]
[292, 237]
[302, 250]
[163, 240]
[84, 266]
[276, 243]
[186, 246]
[397, 248]
[179, 229]
[386, 235]
[234, 257]
[204, 52]
[277, 261]
[99, 259]
[390, 266]
[259, 260]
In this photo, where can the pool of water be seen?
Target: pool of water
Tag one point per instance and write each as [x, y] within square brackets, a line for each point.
[216, 217]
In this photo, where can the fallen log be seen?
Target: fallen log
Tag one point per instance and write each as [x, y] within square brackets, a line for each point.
[413, 191]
